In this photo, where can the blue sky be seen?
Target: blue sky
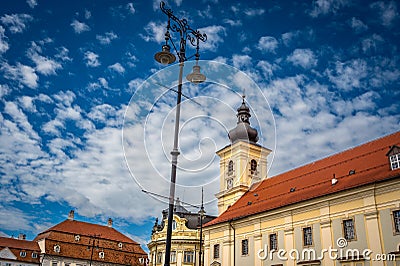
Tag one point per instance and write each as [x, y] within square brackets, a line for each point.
[85, 124]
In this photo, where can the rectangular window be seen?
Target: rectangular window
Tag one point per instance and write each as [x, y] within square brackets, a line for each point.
[348, 229]
[273, 242]
[396, 221]
[159, 257]
[173, 257]
[245, 246]
[307, 236]
[395, 161]
[54, 263]
[216, 251]
[188, 257]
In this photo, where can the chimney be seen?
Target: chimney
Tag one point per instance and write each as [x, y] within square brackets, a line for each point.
[71, 215]
[110, 222]
[21, 236]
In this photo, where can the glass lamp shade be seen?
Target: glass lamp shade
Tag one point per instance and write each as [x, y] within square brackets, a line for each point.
[165, 57]
[196, 77]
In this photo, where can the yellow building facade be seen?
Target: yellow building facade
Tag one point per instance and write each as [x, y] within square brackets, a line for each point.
[343, 210]
[185, 240]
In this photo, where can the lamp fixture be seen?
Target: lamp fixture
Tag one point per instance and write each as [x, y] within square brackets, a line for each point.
[165, 57]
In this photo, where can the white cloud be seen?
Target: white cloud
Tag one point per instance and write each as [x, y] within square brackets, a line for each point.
[79, 27]
[154, 32]
[44, 65]
[387, 12]
[32, 3]
[88, 14]
[107, 37]
[215, 35]
[324, 7]
[16, 23]
[3, 41]
[267, 44]
[372, 43]
[358, 25]
[92, 59]
[348, 75]
[251, 12]
[117, 67]
[21, 73]
[241, 61]
[130, 8]
[233, 23]
[303, 57]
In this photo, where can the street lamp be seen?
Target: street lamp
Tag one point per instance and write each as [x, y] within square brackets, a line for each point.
[202, 213]
[166, 57]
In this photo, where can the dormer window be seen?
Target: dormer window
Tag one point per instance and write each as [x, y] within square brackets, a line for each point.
[77, 238]
[230, 167]
[394, 157]
[57, 248]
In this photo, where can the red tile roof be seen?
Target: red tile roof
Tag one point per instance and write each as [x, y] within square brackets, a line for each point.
[86, 229]
[20, 244]
[368, 161]
[17, 245]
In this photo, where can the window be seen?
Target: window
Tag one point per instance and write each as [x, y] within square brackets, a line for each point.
[120, 245]
[188, 257]
[22, 254]
[348, 229]
[8, 264]
[57, 248]
[230, 168]
[159, 257]
[273, 242]
[245, 247]
[173, 257]
[229, 183]
[396, 221]
[307, 236]
[54, 263]
[77, 238]
[101, 254]
[34, 255]
[173, 225]
[253, 167]
[395, 161]
[216, 251]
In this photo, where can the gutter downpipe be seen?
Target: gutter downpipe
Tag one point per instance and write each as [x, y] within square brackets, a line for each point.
[234, 241]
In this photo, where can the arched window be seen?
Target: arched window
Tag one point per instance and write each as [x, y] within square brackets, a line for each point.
[253, 167]
[230, 167]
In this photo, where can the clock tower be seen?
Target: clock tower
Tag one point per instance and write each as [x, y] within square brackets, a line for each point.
[242, 163]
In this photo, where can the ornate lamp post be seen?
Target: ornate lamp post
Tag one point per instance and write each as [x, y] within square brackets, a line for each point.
[202, 213]
[166, 57]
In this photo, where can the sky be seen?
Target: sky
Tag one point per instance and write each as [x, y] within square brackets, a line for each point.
[87, 114]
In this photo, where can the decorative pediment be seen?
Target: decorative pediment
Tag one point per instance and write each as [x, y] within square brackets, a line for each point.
[393, 150]
[215, 263]
[6, 253]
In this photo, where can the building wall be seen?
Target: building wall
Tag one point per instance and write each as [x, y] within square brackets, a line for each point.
[183, 239]
[370, 207]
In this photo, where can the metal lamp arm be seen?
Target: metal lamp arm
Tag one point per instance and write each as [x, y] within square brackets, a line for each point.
[185, 31]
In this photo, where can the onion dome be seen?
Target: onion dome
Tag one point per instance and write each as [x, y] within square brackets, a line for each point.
[243, 131]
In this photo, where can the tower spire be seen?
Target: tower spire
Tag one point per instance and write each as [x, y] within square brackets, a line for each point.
[243, 130]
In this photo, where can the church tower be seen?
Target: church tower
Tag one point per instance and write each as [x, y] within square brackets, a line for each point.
[242, 163]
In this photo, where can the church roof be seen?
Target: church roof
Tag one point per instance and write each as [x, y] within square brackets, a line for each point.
[361, 165]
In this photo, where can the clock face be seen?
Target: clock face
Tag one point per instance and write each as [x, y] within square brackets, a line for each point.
[229, 183]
